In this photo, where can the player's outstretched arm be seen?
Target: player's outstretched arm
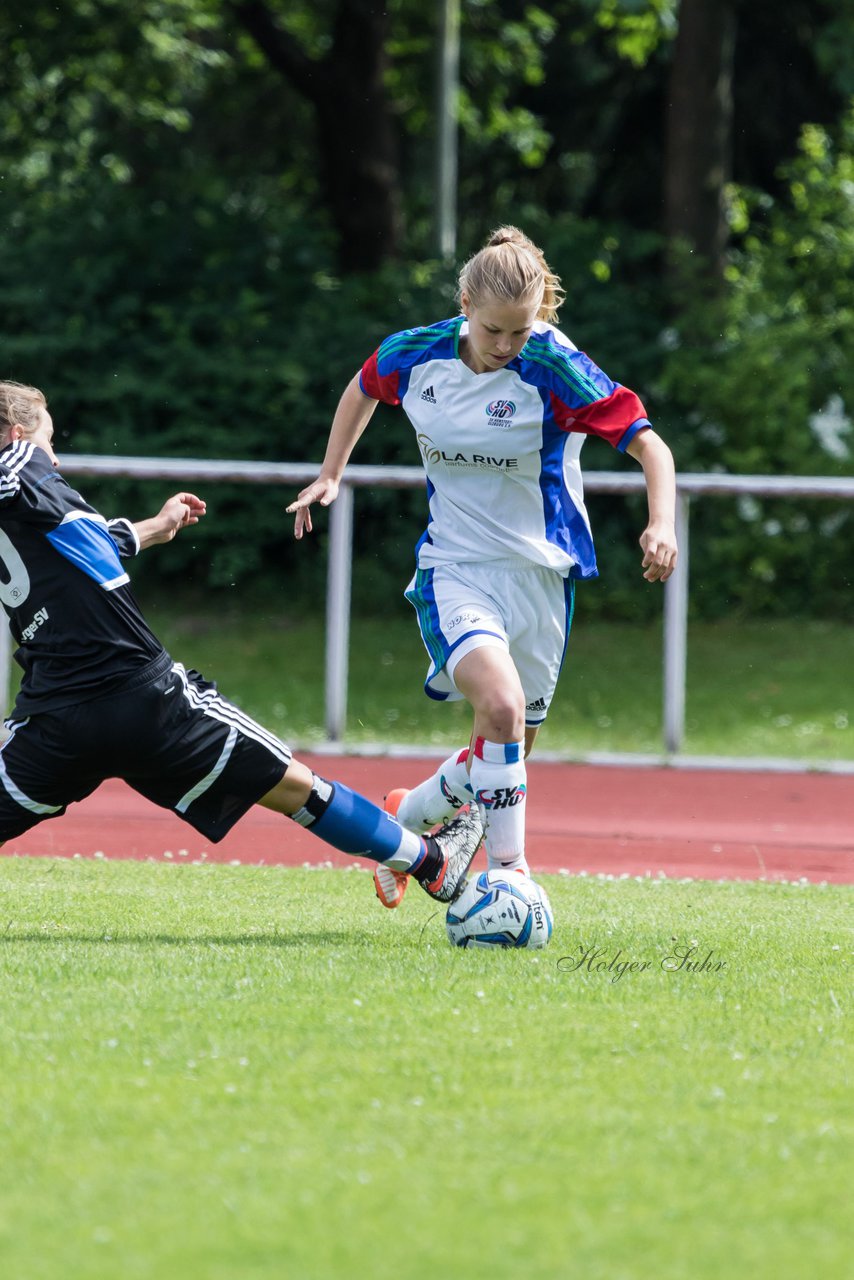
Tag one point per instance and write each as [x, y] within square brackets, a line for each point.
[658, 539]
[353, 414]
[176, 513]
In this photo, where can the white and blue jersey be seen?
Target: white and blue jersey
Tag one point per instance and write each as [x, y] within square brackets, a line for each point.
[502, 449]
[71, 611]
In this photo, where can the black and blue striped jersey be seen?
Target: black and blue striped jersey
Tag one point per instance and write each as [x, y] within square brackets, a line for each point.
[79, 630]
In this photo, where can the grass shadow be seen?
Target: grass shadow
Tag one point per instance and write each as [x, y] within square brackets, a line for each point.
[326, 937]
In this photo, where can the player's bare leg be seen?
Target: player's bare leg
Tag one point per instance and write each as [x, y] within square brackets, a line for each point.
[488, 679]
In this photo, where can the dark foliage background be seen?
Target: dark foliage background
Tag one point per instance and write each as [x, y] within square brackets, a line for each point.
[171, 270]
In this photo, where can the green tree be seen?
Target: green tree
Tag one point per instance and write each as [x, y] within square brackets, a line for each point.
[356, 133]
[699, 132]
[763, 380]
[174, 271]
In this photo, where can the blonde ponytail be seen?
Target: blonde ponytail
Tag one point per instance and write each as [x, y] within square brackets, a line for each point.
[511, 268]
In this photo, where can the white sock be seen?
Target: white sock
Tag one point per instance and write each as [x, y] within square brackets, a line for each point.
[499, 780]
[409, 854]
[437, 799]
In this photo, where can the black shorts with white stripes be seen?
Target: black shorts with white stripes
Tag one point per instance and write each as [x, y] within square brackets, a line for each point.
[174, 740]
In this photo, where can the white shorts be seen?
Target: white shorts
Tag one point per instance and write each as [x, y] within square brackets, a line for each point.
[523, 608]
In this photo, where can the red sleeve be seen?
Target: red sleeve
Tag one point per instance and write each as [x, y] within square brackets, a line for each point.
[617, 418]
[379, 386]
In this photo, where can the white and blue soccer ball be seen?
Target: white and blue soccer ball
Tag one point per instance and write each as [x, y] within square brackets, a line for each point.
[500, 909]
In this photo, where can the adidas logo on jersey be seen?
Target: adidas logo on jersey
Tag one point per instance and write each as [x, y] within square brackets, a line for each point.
[429, 395]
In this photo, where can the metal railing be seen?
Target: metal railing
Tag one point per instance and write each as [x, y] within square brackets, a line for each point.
[185, 471]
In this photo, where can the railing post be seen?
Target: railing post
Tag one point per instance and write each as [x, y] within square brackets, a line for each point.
[338, 580]
[676, 634]
[446, 115]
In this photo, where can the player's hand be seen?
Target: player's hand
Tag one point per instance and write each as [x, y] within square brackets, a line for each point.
[179, 511]
[658, 542]
[175, 514]
[320, 490]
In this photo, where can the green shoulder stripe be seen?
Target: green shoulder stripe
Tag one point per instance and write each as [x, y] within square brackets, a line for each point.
[413, 340]
[409, 340]
[566, 370]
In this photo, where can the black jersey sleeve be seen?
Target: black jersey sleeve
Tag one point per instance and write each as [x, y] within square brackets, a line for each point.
[124, 535]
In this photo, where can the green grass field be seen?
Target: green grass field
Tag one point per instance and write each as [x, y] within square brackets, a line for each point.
[218, 1073]
[773, 688]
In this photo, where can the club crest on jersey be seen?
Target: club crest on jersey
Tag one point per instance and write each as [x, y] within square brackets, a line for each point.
[499, 413]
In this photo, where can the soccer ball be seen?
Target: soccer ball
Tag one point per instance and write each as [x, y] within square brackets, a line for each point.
[500, 909]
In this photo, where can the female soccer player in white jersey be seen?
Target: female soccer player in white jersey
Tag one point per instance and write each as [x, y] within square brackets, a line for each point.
[500, 401]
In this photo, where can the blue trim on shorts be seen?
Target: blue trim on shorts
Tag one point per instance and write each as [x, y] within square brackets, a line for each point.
[476, 631]
[569, 600]
[422, 597]
[434, 670]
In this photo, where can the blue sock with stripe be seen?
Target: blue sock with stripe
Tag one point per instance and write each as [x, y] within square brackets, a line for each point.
[351, 823]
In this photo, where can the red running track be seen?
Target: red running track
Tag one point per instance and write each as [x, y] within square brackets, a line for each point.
[715, 824]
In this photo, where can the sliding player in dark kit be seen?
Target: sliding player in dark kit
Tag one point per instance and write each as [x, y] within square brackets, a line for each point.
[101, 697]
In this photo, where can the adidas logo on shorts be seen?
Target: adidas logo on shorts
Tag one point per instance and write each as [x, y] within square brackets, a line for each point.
[429, 395]
[539, 704]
